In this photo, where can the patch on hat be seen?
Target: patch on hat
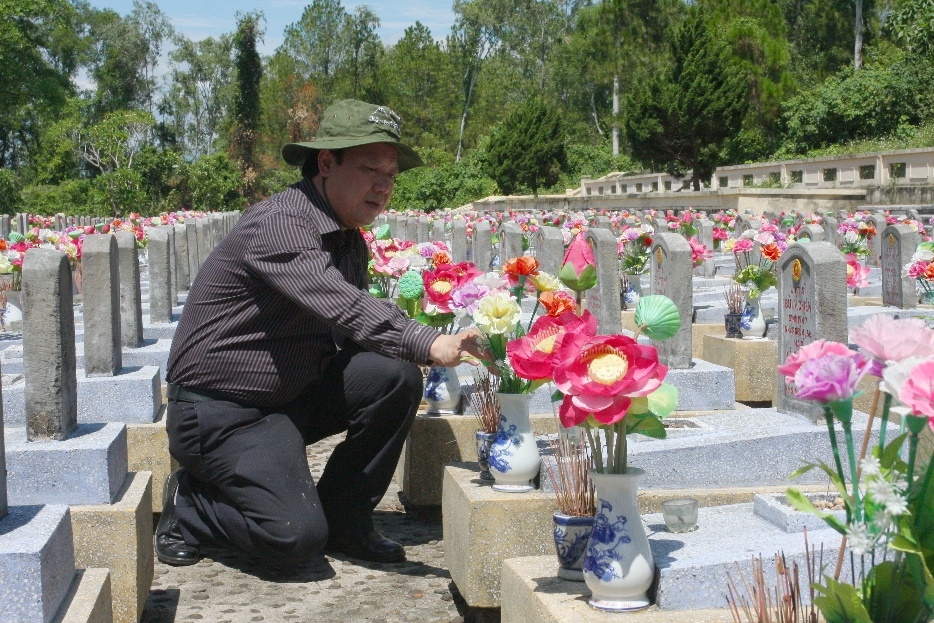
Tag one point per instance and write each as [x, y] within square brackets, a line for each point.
[388, 117]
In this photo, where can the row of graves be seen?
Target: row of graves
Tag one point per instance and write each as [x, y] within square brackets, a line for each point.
[83, 448]
[732, 443]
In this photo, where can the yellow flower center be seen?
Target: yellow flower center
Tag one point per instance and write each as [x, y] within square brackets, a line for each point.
[442, 286]
[546, 340]
[605, 365]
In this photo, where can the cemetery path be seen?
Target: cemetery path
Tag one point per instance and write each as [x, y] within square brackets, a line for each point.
[230, 588]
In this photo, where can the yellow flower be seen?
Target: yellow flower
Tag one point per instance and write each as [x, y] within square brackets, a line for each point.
[544, 282]
[729, 244]
[497, 313]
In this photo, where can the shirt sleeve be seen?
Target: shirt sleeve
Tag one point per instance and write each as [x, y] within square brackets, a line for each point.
[286, 254]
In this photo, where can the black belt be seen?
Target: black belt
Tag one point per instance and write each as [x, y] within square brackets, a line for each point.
[180, 394]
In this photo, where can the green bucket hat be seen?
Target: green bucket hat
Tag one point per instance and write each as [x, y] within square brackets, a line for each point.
[349, 123]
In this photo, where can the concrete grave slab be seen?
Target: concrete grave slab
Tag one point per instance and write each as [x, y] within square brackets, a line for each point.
[88, 599]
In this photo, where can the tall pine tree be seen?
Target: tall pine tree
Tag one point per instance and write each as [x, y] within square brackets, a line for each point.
[680, 119]
[527, 148]
[246, 112]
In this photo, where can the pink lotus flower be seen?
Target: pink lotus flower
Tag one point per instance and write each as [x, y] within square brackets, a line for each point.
[742, 245]
[918, 391]
[831, 377]
[579, 269]
[699, 252]
[603, 376]
[439, 286]
[813, 350]
[888, 339]
[536, 355]
[857, 275]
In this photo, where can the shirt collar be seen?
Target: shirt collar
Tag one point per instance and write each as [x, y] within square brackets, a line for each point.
[322, 213]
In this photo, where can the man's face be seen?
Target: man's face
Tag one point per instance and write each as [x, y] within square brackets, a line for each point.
[360, 185]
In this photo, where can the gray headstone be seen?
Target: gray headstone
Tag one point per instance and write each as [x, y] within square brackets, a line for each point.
[899, 243]
[705, 236]
[3, 496]
[173, 277]
[5, 226]
[602, 222]
[549, 249]
[59, 222]
[203, 230]
[182, 274]
[459, 240]
[814, 233]
[482, 245]
[437, 230]
[160, 280]
[671, 276]
[603, 298]
[131, 305]
[811, 306]
[512, 241]
[421, 231]
[100, 271]
[830, 226]
[875, 248]
[22, 222]
[191, 232]
[411, 229]
[217, 230]
[49, 365]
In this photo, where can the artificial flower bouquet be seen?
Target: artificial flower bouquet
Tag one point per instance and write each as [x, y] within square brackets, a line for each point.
[921, 269]
[759, 275]
[699, 252]
[889, 498]
[633, 249]
[855, 233]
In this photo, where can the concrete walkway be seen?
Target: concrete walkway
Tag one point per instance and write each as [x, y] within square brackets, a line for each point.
[230, 588]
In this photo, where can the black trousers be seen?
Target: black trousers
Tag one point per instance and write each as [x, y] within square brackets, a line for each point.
[247, 485]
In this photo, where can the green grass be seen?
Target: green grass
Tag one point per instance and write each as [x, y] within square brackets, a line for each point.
[906, 137]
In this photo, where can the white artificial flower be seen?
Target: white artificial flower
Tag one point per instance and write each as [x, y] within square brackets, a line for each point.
[922, 255]
[497, 313]
[492, 281]
[896, 374]
[881, 491]
[851, 237]
[870, 466]
[858, 539]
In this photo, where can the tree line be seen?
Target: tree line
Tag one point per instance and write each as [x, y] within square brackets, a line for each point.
[520, 96]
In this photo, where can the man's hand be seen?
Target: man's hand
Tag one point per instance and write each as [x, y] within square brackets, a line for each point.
[451, 350]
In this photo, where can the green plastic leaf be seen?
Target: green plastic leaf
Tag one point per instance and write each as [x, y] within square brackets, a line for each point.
[801, 471]
[377, 292]
[891, 453]
[799, 501]
[645, 424]
[558, 396]
[579, 283]
[839, 602]
[382, 232]
[663, 400]
[658, 316]
[895, 593]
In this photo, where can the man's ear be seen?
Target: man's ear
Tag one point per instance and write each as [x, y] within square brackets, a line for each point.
[326, 162]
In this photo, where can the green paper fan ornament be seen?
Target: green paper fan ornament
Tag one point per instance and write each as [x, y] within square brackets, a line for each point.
[15, 236]
[382, 232]
[658, 317]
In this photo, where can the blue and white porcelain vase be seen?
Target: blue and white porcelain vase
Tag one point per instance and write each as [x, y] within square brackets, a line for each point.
[753, 323]
[572, 534]
[514, 457]
[618, 566]
[442, 391]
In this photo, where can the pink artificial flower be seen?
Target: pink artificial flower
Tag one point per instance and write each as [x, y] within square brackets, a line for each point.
[699, 252]
[831, 377]
[440, 285]
[918, 391]
[815, 349]
[742, 245]
[857, 275]
[603, 376]
[890, 339]
[579, 268]
[536, 355]
[719, 233]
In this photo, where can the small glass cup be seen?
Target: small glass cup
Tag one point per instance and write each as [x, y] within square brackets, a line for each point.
[680, 515]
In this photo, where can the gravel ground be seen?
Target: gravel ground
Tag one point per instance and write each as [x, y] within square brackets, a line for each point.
[230, 588]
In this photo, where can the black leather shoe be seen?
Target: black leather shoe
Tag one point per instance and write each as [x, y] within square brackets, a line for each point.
[171, 548]
[371, 546]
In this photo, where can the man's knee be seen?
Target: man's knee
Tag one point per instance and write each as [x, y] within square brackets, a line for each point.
[295, 540]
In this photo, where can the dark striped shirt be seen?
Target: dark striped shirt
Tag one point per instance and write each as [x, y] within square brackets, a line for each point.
[275, 299]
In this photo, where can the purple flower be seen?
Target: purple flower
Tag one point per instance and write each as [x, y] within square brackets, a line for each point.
[831, 377]
[468, 296]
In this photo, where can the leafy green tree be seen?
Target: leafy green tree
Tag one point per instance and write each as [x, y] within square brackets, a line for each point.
[527, 149]
[163, 179]
[32, 88]
[365, 51]
[820, 33]
[200, 92]
[443, 183]
[214, 182]
[681, 118]
[317, 43]
[246, 105]
[912, 24]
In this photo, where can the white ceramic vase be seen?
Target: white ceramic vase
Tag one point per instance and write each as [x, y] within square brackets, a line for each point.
[618, 566]
[753, 323]
[514, 457]
[442, 391]
[572, 533]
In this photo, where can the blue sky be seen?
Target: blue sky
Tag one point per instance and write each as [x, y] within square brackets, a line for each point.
[197, 19]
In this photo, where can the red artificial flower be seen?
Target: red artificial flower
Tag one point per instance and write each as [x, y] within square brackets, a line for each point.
[536, 355]
[771, 252]
[558, 302]
[522, 266]
[439, 286]
[440, 258]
